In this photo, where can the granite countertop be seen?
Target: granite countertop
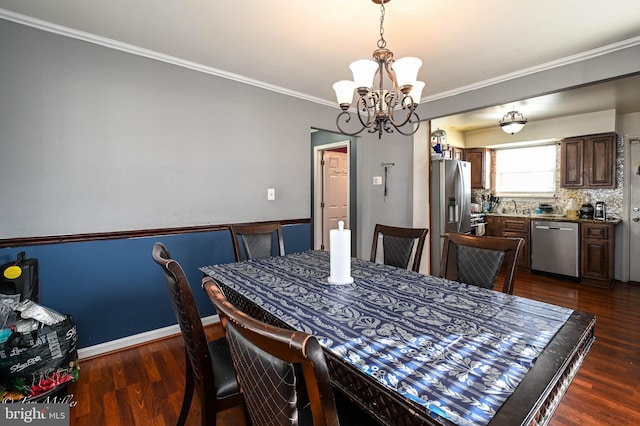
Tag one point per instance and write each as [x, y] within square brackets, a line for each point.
[554, 217]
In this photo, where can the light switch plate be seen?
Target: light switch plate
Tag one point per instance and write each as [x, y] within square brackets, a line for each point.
[271, 194]
[377, 180]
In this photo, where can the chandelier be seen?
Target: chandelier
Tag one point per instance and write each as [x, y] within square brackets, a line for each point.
[513, 122]
[379, 108]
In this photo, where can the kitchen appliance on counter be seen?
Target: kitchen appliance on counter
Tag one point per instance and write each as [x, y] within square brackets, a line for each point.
[600, 211]
[546, 208]
[572, 209]
[555, 247]
[450, 193]
[586, 210]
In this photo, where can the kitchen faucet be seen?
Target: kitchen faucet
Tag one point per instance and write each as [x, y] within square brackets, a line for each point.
[515, 206]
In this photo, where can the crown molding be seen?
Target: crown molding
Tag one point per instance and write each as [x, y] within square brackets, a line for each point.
[152, 54]
[584, 56]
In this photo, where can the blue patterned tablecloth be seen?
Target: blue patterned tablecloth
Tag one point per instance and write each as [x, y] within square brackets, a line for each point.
[458, 350]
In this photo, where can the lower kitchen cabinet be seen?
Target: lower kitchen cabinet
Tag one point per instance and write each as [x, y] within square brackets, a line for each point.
[513, 227]
[520, 228]
[596, 259]
[596, 246]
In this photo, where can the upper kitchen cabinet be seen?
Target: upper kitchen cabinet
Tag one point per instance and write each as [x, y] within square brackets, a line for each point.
[457, 153]
[588, 161]
[480, 159]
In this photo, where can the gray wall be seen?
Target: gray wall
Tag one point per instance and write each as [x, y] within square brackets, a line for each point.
[94, 140]
[98, 140]
[396, 209]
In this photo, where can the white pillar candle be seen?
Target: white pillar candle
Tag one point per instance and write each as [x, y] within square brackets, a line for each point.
[340, 255]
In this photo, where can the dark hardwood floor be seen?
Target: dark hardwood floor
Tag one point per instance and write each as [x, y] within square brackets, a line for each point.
[144, 385]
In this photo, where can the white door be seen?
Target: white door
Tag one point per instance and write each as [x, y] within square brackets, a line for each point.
[335, 196]
[634, 213]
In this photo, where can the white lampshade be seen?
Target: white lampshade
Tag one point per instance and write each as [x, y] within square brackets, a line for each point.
[406, 70]
[344, 92]
[363, 71]
[512, 128]
[416, 92]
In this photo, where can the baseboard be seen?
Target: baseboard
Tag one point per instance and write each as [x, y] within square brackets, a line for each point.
[137, 339]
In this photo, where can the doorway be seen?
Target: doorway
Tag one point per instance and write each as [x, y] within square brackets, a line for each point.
[333, 187]
[634, 210]
[333, 204]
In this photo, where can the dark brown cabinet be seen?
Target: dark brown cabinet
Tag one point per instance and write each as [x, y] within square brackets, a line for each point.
[520, 228]
[513, 227]
[480, 159]
[494, 226]
[596, 259]
[588, 161]
[457, 153]
[597, 246]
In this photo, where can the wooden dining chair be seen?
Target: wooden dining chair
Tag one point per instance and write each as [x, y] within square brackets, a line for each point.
[282, 373]
[257, 240]
[477, 260]
[398, 244]
[208, 365]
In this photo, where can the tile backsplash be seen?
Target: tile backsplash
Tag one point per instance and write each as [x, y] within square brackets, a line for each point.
[611, 197]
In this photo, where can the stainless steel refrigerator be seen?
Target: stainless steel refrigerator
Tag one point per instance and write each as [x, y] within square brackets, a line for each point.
[450, 194]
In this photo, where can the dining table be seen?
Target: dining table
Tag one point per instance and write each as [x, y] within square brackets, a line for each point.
[415, 349]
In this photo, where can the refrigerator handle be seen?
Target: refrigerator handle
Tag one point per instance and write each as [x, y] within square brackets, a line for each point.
[463, 205]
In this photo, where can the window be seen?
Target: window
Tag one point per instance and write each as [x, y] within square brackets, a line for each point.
[528, 171]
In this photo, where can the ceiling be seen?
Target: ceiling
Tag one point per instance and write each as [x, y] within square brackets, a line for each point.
[302, 47]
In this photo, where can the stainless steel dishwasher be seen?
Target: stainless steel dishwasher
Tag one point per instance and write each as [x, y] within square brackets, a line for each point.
[554, 247]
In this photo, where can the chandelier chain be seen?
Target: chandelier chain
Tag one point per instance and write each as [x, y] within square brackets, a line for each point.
[382, 43]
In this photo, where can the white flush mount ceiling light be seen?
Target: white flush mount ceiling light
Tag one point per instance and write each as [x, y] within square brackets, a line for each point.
[377, 106]
[513, 122]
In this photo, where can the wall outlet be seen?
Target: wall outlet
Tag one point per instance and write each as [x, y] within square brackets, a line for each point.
[271, 194]
[377, 180]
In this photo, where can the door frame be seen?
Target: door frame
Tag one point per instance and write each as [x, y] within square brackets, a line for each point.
[322, 140]
[322, 191]
[626, 209]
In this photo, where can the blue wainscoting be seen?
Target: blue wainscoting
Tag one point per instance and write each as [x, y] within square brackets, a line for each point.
[114, 289]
